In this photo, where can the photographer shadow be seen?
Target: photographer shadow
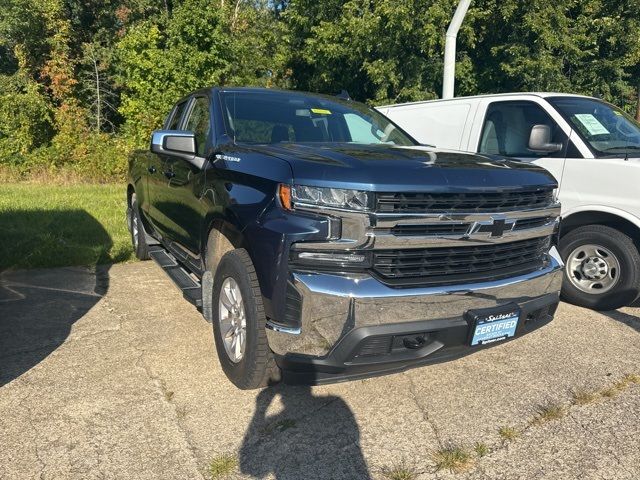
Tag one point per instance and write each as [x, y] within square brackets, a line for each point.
[38, 307]
[311, 437]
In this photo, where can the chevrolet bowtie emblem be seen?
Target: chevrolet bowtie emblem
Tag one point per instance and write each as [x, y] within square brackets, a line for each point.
[496, 227]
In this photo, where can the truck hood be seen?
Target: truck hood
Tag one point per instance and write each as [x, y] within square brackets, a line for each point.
[392, 168]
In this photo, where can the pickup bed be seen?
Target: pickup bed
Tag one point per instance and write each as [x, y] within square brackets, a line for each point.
[324, 243]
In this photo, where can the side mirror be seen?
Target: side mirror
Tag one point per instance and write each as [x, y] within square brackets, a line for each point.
[178, 144]
[540, 140]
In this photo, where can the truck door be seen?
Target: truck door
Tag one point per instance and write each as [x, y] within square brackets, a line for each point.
[506, 130]
[183, 211]
[156, 181]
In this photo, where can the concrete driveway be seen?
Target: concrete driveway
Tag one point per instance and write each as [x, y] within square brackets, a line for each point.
[110, 374]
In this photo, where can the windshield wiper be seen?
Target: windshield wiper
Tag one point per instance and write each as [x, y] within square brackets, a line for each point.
[630, 147]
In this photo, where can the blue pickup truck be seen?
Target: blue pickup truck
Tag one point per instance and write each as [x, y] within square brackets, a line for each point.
[324, 243]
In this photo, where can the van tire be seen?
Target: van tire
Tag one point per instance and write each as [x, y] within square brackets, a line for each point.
[625, 254]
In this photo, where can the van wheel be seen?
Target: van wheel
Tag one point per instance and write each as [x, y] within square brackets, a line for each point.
[602, 268]
[239, 324]
[138, 240]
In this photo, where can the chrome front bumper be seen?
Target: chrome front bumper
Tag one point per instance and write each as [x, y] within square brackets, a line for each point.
[334, 305]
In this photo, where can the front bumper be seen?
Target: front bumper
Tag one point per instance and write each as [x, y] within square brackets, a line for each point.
[343, 316]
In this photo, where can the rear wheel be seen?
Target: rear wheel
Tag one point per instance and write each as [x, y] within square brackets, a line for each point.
[138, 239]
[239, 323]
[602, 268]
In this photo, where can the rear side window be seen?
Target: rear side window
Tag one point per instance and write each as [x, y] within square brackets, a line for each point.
[199, 123]
[507, 127]
[176, 116]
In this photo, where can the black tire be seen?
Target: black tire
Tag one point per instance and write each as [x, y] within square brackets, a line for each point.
[138, 240]
[257, 367]
[627, 287]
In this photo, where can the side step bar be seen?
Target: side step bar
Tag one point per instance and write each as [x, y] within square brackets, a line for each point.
[191, 288]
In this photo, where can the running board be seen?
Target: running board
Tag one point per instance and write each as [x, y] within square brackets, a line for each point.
[191, 288]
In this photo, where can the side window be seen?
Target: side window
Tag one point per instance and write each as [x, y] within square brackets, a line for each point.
[507, 126]
[200, 123]
[174, 123]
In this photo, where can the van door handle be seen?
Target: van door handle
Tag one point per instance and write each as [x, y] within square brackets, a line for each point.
[169, 174]
[151, 169]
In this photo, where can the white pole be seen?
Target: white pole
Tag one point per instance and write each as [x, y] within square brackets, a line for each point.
[449, 76]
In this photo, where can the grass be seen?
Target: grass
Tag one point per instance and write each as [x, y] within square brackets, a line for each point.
[584, 397]
[481, 449]
[508, 434]
[453, 458]
[52, 226]
[548, 412]
[222, 466]
[401, 471]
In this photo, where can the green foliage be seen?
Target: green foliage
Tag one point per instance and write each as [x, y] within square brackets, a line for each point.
[83, 82]
[25, 118]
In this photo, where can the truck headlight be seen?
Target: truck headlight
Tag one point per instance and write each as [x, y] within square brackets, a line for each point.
[330, 197]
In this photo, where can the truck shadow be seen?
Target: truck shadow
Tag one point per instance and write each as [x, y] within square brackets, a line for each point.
[311, 437]
[38, 307]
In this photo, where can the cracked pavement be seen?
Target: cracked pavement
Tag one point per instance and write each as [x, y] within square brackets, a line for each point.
[110, 374]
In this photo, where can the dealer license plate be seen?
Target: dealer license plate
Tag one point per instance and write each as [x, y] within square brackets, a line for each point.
[491, 327]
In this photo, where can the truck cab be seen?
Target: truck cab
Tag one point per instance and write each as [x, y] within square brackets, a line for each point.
[592, 149]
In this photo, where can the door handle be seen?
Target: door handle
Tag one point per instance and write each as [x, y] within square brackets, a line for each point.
[151, 169]
[169, 174]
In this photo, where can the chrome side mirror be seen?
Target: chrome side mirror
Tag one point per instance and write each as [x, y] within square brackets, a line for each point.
[540, 140]
[177, 144]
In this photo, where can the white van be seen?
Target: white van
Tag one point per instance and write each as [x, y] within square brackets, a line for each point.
[593, 150]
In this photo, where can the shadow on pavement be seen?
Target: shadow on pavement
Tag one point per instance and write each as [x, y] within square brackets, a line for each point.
[632, 321]
[311, 437]
[38, 307]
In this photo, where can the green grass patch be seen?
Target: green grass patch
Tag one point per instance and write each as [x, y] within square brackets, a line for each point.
[400, 471]
[547, 412]
[508, 434]
[481, 449]
[453, 458]
[222, 466]
[53, 226]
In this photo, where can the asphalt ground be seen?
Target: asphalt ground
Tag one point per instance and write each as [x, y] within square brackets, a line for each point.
[109, 374]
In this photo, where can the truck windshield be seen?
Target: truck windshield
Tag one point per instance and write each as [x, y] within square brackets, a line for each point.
[276, 117]
[607, 130]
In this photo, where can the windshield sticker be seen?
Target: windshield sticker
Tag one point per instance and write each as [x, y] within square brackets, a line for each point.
[591, 123]
[321, 111]
[615, 112]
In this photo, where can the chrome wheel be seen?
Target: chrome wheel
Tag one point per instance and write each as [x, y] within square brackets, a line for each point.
[593, 269]
[232, 318]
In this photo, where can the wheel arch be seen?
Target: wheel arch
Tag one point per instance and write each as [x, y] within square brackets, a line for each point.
[610, 217]
[226, 237]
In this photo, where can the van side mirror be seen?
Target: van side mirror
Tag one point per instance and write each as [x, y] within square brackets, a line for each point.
[540, 140]
[178, 144]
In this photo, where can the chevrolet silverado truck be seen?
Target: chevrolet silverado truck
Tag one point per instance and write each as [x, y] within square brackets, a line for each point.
[593, 150]
[324, 243]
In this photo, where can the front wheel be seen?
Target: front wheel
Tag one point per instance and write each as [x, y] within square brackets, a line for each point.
[602, 268]
[239, 323]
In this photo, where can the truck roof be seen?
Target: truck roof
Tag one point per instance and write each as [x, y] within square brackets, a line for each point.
[489, 95]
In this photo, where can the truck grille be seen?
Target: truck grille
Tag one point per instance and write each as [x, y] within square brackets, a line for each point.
[463, 202]
[447, 266]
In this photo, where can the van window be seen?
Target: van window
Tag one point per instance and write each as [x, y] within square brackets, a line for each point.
[507, 127]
